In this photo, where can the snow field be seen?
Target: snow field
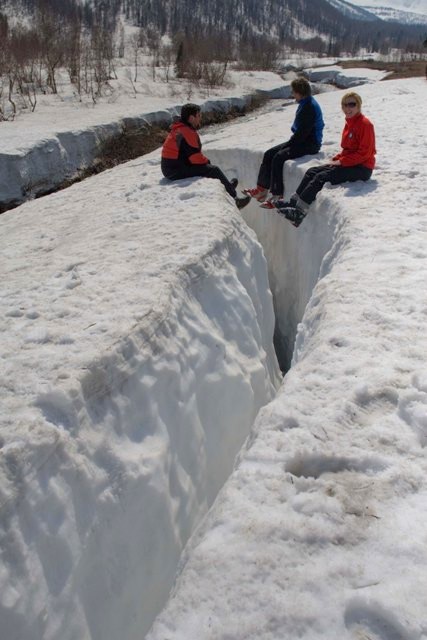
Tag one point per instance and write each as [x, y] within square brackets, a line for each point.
[136, 351]
[320, 530]
[40, 150]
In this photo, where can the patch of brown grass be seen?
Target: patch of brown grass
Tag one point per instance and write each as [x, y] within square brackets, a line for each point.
[406, 69]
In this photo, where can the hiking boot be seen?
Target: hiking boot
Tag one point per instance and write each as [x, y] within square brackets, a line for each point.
[282, 204]
[242, 202]
[234, 182]
[271, 202]
[259, 193]
[292, 202]
[293, 214]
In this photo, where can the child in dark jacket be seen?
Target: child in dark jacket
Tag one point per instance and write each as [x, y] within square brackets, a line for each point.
[306, 139]
[182, 155]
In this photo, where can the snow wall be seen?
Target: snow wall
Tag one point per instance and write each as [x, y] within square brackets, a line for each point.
[136, 351]
[44, 160]
[294, 258]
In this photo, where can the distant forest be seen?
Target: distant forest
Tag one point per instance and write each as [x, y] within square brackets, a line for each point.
[86, 38]
[291, 23]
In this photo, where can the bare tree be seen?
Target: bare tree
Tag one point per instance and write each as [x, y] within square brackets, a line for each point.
[121, 47]
[166, 57]
[135, 45]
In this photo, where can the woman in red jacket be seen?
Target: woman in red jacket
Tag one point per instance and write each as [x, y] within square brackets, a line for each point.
[182, 155]
[355, 162]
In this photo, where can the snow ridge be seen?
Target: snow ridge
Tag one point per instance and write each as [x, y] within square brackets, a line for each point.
[137, 351]
[44, 160]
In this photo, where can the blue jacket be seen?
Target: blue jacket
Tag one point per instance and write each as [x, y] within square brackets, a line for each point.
[308, 125]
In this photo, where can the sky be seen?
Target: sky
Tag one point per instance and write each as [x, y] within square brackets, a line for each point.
[137, 362]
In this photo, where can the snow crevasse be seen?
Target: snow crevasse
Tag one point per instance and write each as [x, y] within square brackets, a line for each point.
[114, 445]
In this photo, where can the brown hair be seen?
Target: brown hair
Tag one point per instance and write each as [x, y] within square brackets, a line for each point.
[189, 109]
[352, 96]
[301, 86]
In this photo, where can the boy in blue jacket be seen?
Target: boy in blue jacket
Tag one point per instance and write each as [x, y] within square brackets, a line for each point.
[306, 139]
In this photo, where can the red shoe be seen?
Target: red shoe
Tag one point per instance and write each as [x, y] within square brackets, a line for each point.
[271, 202]
[259, 193]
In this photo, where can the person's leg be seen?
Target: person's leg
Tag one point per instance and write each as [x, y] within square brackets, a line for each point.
[212, 171]
[296, 209]
[351, 174]
[277, 187]
[287, 152]
[308, 177]
[313, 182]
[264, 173]
[204, 171]
[316, 177]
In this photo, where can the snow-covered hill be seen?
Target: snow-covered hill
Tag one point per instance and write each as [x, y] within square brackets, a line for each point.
[396, 15]
[408, 13]
[412, 6]
[352, 11]
[289, 22]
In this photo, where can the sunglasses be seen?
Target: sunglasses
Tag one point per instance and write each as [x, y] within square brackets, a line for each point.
[350, 104]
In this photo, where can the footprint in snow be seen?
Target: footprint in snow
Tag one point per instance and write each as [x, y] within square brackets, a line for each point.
[372, 621]
[187, 196]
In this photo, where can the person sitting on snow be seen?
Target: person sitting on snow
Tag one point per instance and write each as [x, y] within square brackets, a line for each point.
[355, 162]
[306, 139]
[182, 155]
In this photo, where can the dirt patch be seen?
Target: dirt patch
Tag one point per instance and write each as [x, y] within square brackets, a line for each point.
[406, 69]
[133, 142]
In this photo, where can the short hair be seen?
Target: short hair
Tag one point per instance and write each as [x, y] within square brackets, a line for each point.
[301, 86]
[189, 109]
[353, 96]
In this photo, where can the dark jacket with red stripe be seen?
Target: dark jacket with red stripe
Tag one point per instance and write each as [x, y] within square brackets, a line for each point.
[182, 146]
[358, 143]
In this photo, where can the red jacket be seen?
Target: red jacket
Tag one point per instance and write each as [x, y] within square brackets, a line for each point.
[183, 145]
[358, 143]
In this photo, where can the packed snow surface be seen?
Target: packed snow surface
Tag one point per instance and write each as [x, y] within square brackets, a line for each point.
[320, 531]
[136, 350]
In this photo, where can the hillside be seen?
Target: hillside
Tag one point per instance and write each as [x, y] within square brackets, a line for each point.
[289, 22]
[397, 15]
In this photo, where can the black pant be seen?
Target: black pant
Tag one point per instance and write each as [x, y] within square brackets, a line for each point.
[270, 174]
[203, 170]
[316, 177]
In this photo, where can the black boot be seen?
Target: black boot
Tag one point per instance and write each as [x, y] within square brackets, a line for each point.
[242, 202]
[293, 214]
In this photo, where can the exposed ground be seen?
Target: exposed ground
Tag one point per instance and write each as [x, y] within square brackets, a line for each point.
[405, 69]
[133, 142]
